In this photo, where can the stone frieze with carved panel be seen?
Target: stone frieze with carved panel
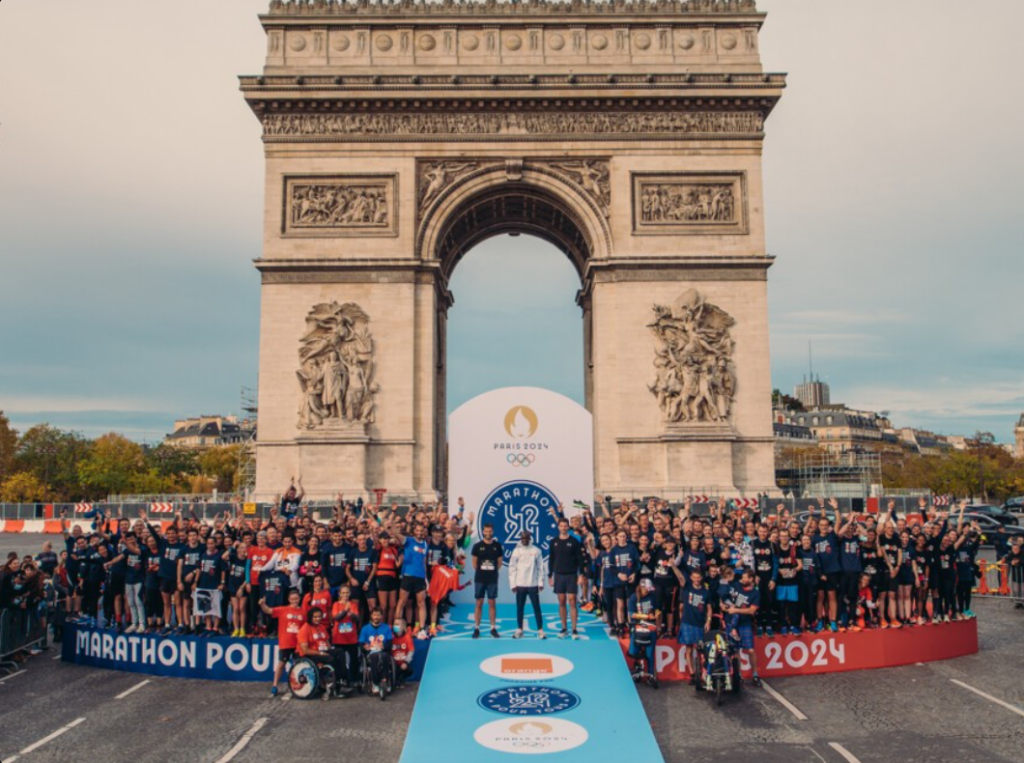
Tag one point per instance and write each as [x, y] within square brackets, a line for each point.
[339, 205]
[681, 203]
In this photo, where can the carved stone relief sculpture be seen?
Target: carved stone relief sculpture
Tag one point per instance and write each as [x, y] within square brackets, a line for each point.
[349, 205]
[435, 177]
[336, 368]
[695, 380]
[593, 176]
[681, 203]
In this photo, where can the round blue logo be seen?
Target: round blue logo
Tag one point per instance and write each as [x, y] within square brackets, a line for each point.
[528, 700]
[517, 506]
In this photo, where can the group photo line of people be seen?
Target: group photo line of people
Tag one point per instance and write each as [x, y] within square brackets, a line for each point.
[356, 591]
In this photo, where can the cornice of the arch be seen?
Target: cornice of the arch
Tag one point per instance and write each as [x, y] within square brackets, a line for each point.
[444, 187]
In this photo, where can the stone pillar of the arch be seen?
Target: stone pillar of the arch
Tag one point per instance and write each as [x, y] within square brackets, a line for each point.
[636, 452]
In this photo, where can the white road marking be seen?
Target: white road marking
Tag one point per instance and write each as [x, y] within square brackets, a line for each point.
[783, 701]
[843, 751]
[246, 738]
[286, 697]
[52, 736]
[13, 675]
[990, 698]
[124, 694]
[57, 657]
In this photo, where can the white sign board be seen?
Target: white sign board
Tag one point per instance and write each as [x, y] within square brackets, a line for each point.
[514, 454]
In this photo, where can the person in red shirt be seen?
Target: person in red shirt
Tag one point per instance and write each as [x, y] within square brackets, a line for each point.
[402, 649]
[315, 644]
[319, 597]
[290, 620]
[386, 556]
[345, 627]
[258, 556]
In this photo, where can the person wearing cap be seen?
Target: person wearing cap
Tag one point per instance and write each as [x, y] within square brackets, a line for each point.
[526, 575]
[642, 609]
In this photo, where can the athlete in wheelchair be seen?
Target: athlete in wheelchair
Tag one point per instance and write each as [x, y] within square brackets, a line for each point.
[375, 641]
[643, 633]
[315, 670]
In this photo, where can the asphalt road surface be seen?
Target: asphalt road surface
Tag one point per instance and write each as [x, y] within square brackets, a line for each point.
[966, 710]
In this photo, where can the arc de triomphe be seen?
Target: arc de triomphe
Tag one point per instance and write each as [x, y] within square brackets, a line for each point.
[397, 136]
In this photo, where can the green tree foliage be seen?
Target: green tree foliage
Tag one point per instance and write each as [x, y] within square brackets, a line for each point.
[221, 465]
[169, 461]
[111, 467]
[53, 455]
[8, 448]
[24, 487]
[958, 473]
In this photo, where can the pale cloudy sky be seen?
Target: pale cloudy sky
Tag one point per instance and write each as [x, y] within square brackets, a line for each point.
[131, 201]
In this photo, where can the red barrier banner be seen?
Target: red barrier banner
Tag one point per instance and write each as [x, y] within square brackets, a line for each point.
[827, 652]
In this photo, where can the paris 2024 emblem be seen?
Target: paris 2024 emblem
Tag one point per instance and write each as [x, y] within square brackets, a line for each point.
[521, 505]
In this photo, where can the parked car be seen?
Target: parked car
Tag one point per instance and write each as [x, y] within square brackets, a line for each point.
[997, 513]
[990, 528]
[1014, 505]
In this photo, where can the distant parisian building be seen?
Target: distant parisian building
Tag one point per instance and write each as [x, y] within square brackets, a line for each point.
[206, 432]
[813, 394]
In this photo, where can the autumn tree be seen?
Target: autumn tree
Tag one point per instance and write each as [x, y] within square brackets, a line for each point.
[220, 464]
[8, 448]
[24, 487]
[112, 464]
[53, 456]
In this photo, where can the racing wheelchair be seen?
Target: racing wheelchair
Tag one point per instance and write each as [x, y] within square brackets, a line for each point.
[308, 679]
[718, 665]
[388, 678]
[643, 637]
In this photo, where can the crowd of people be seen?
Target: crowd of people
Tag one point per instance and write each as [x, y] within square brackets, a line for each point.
[372, 579]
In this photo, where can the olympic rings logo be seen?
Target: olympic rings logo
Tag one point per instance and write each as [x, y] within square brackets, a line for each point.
[520, 459]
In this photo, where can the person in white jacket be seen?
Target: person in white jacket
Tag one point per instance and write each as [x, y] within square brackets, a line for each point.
[526, 575]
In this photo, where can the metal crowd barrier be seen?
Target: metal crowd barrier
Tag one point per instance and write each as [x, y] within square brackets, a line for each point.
[994, 579]
[19, 629]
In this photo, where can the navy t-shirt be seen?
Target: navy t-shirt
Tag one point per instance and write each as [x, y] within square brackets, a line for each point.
[742, 598]
[135, 567]
[362, 563]
[210, 567]
[827, 547]
[169, 553]
[849, 554]
[695, 605]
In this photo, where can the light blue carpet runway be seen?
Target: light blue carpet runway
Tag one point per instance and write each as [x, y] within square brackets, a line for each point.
[495, 699]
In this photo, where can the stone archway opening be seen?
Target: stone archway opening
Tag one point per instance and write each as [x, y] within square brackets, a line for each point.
[514, 209]
[518, 209]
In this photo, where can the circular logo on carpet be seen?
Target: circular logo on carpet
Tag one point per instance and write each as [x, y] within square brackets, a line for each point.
[520, 506]
[526, 666]
[528, 700]
[531, 737]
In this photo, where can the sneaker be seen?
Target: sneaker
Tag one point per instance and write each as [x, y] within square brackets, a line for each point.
[494, 633]
[832, 627]
[541, 635]
[969, 613]
[575, 636]
[433, 629]
[588, 607]
[756, 681]
[273, 691]
[476, 633]
[563, 633]
[895, 624]
[518, 633]
[768, 632]
[818, 626]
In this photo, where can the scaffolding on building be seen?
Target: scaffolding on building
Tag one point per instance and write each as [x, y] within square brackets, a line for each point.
[852, 474]
[247, 453]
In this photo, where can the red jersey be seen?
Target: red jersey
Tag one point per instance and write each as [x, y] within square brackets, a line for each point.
[321, 601]
[345, 631]
[258, 556]
[402, 648]
[387, 561]
[289, 622]
[443, 581]
[314, 639]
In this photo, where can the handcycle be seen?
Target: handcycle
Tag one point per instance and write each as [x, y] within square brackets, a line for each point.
[718, 668]
[643, 637]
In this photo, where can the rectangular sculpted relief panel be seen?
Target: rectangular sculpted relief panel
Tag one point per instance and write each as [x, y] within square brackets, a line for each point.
[339, 205]
[686, 203]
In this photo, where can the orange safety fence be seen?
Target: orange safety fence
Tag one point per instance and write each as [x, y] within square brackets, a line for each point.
[993, 579]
